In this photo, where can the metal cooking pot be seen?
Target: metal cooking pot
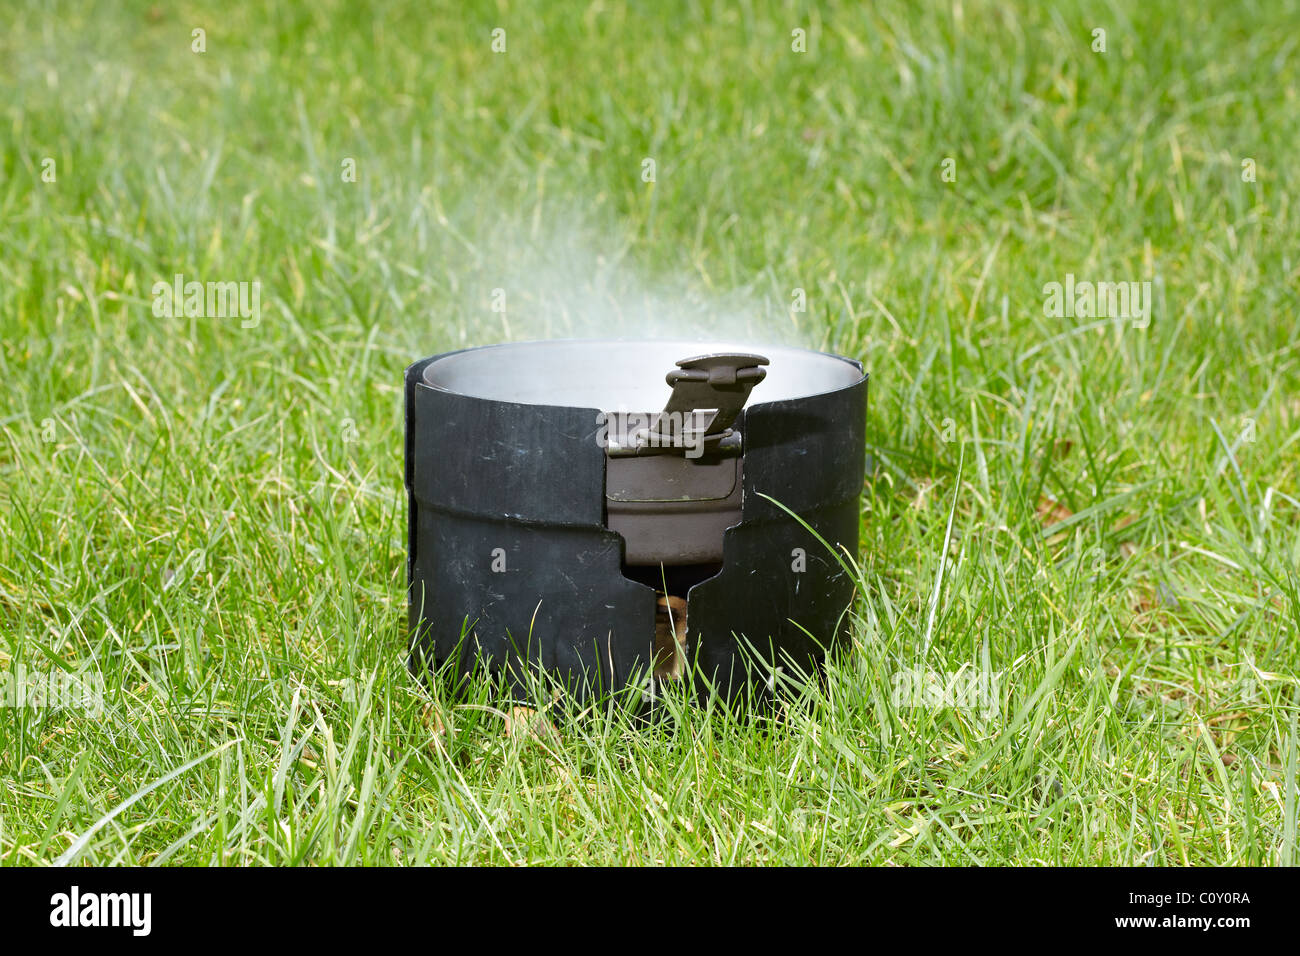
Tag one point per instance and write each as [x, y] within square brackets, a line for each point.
[556, 486]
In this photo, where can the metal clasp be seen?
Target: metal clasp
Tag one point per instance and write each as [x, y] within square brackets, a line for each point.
[708, 393]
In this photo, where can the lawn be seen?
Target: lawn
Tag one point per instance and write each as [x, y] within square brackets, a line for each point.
[202, 517]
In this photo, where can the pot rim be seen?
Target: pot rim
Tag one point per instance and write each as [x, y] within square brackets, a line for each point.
[573, 373]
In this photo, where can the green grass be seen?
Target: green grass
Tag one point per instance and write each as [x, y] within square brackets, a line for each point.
[211, 518]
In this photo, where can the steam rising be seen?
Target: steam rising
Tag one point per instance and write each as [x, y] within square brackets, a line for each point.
[561, 277]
